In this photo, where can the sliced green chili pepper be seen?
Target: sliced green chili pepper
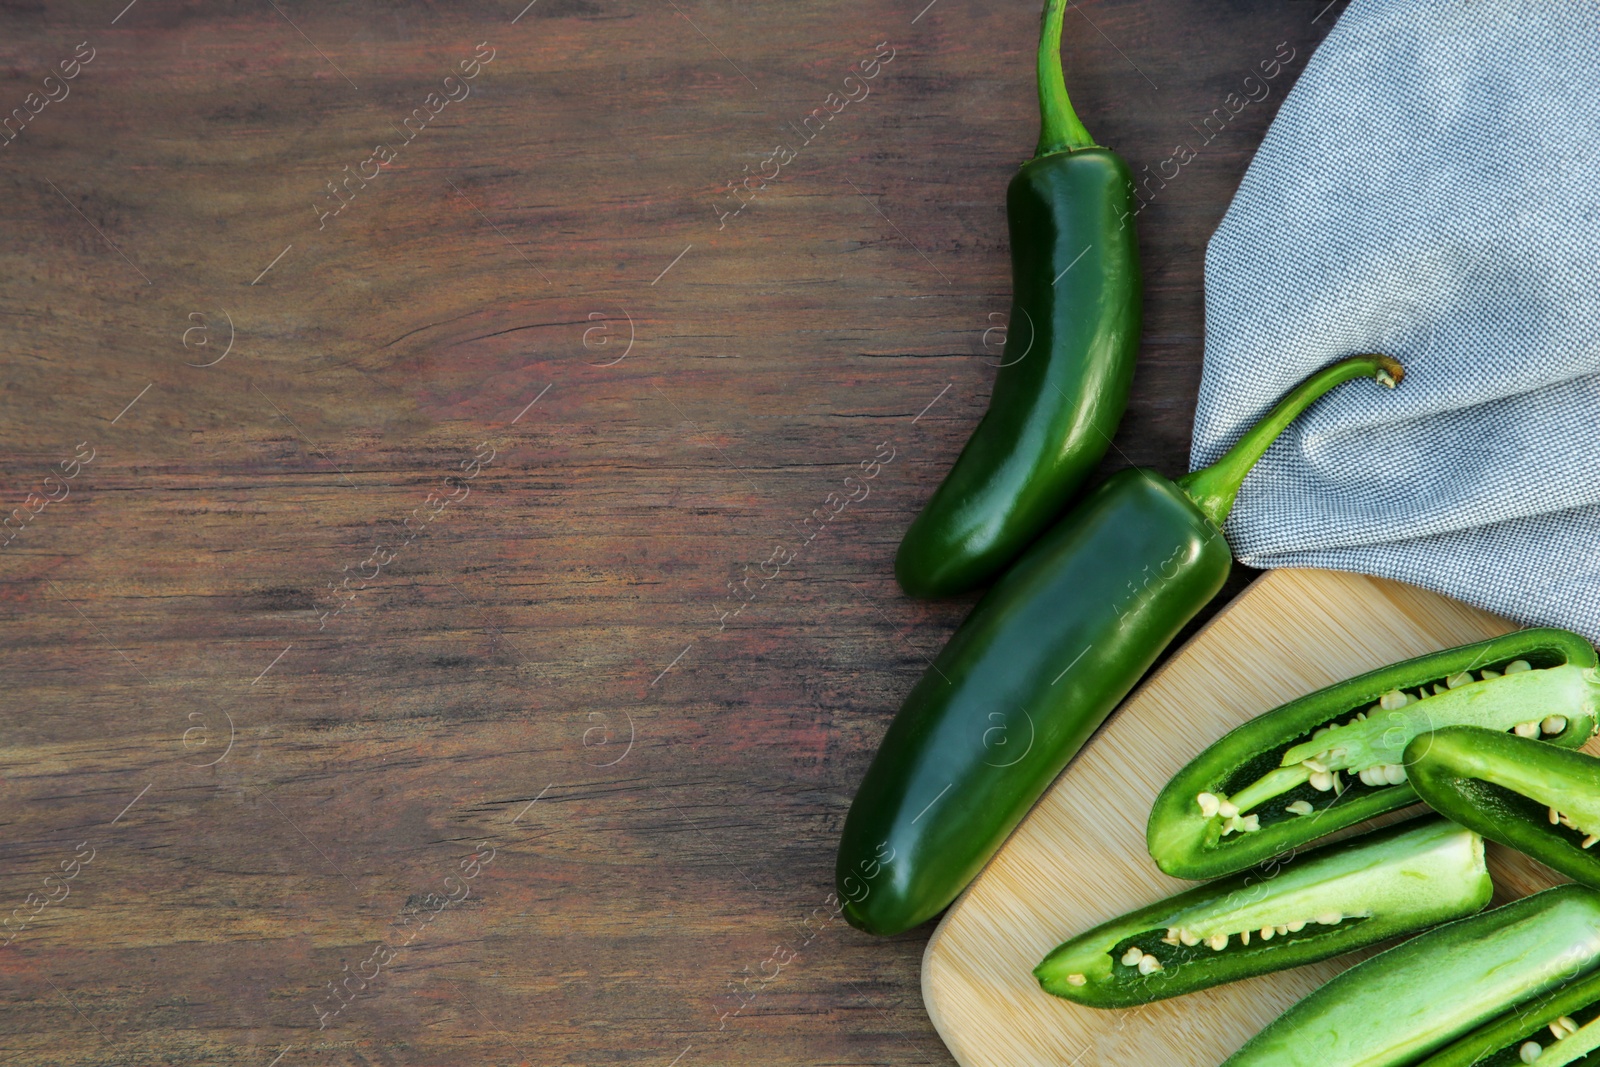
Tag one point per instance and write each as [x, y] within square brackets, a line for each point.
[1280, 779]
[1552, 1029]
[1536, 799]
[1416, 997]
[1335, 899]
[1038, 664]
[1069, 353]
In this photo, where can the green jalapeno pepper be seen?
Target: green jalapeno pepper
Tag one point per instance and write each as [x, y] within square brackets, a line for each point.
[1337, 756]
[1069, 353]
[1035, 668]
[1415, 998]
[1536, 799]
[1552, 1030]
[1335, 899]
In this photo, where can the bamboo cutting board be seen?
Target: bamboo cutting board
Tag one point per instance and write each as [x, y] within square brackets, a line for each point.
[1079, 858]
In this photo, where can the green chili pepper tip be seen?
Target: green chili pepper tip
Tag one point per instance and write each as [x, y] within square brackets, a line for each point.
[1214, 488]
[1059, 127]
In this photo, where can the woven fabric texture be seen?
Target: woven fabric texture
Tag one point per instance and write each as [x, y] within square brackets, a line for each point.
[1429, 189]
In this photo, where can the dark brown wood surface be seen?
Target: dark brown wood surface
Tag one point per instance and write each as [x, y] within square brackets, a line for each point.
[363, 544]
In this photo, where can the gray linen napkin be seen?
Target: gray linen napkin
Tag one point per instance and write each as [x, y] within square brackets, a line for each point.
[1429, 189]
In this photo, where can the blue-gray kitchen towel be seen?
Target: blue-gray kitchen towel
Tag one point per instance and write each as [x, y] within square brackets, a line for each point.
[1429, 189]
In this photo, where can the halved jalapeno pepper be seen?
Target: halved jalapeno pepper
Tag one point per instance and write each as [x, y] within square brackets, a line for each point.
[1335, 899]
[1536, 799]
[1337, 756]
[1415, 998]
[1551, 1030]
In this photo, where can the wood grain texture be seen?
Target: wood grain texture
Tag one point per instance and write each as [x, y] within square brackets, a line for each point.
[1079, 858]
[549, 659]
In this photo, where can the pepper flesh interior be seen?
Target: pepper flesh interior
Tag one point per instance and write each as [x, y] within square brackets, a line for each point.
[1405, 879]
[1580, 807]
[1410, 1000]
[1377, 736]
[1574, 1046]
[1396, 877]
[1506, 1041]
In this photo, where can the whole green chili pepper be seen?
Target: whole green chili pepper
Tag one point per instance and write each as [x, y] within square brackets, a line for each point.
[1280, 779]
[1536, 799]
[1416, 997]
[1069, 352]
[1335, 899]
[1035, 668]
[1567, 1017]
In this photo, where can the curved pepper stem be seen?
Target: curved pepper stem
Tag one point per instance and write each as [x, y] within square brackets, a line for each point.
[1214, 488]
[1059, 128]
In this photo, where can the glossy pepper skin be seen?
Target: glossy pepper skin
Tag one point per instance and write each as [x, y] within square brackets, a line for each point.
[1069, 354]
[1246, 767]
[1035, 668]
[1499, 1043]
[1331, 900]
[1505, 788]
[1053, 646]
[1413, 999]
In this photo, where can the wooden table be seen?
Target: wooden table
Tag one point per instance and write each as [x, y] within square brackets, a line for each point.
[416, 646]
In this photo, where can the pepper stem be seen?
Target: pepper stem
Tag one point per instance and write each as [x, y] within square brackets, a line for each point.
[1214, 488]
[1059, 128]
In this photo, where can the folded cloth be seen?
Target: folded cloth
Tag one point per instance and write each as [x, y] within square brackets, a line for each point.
[1430, 189]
